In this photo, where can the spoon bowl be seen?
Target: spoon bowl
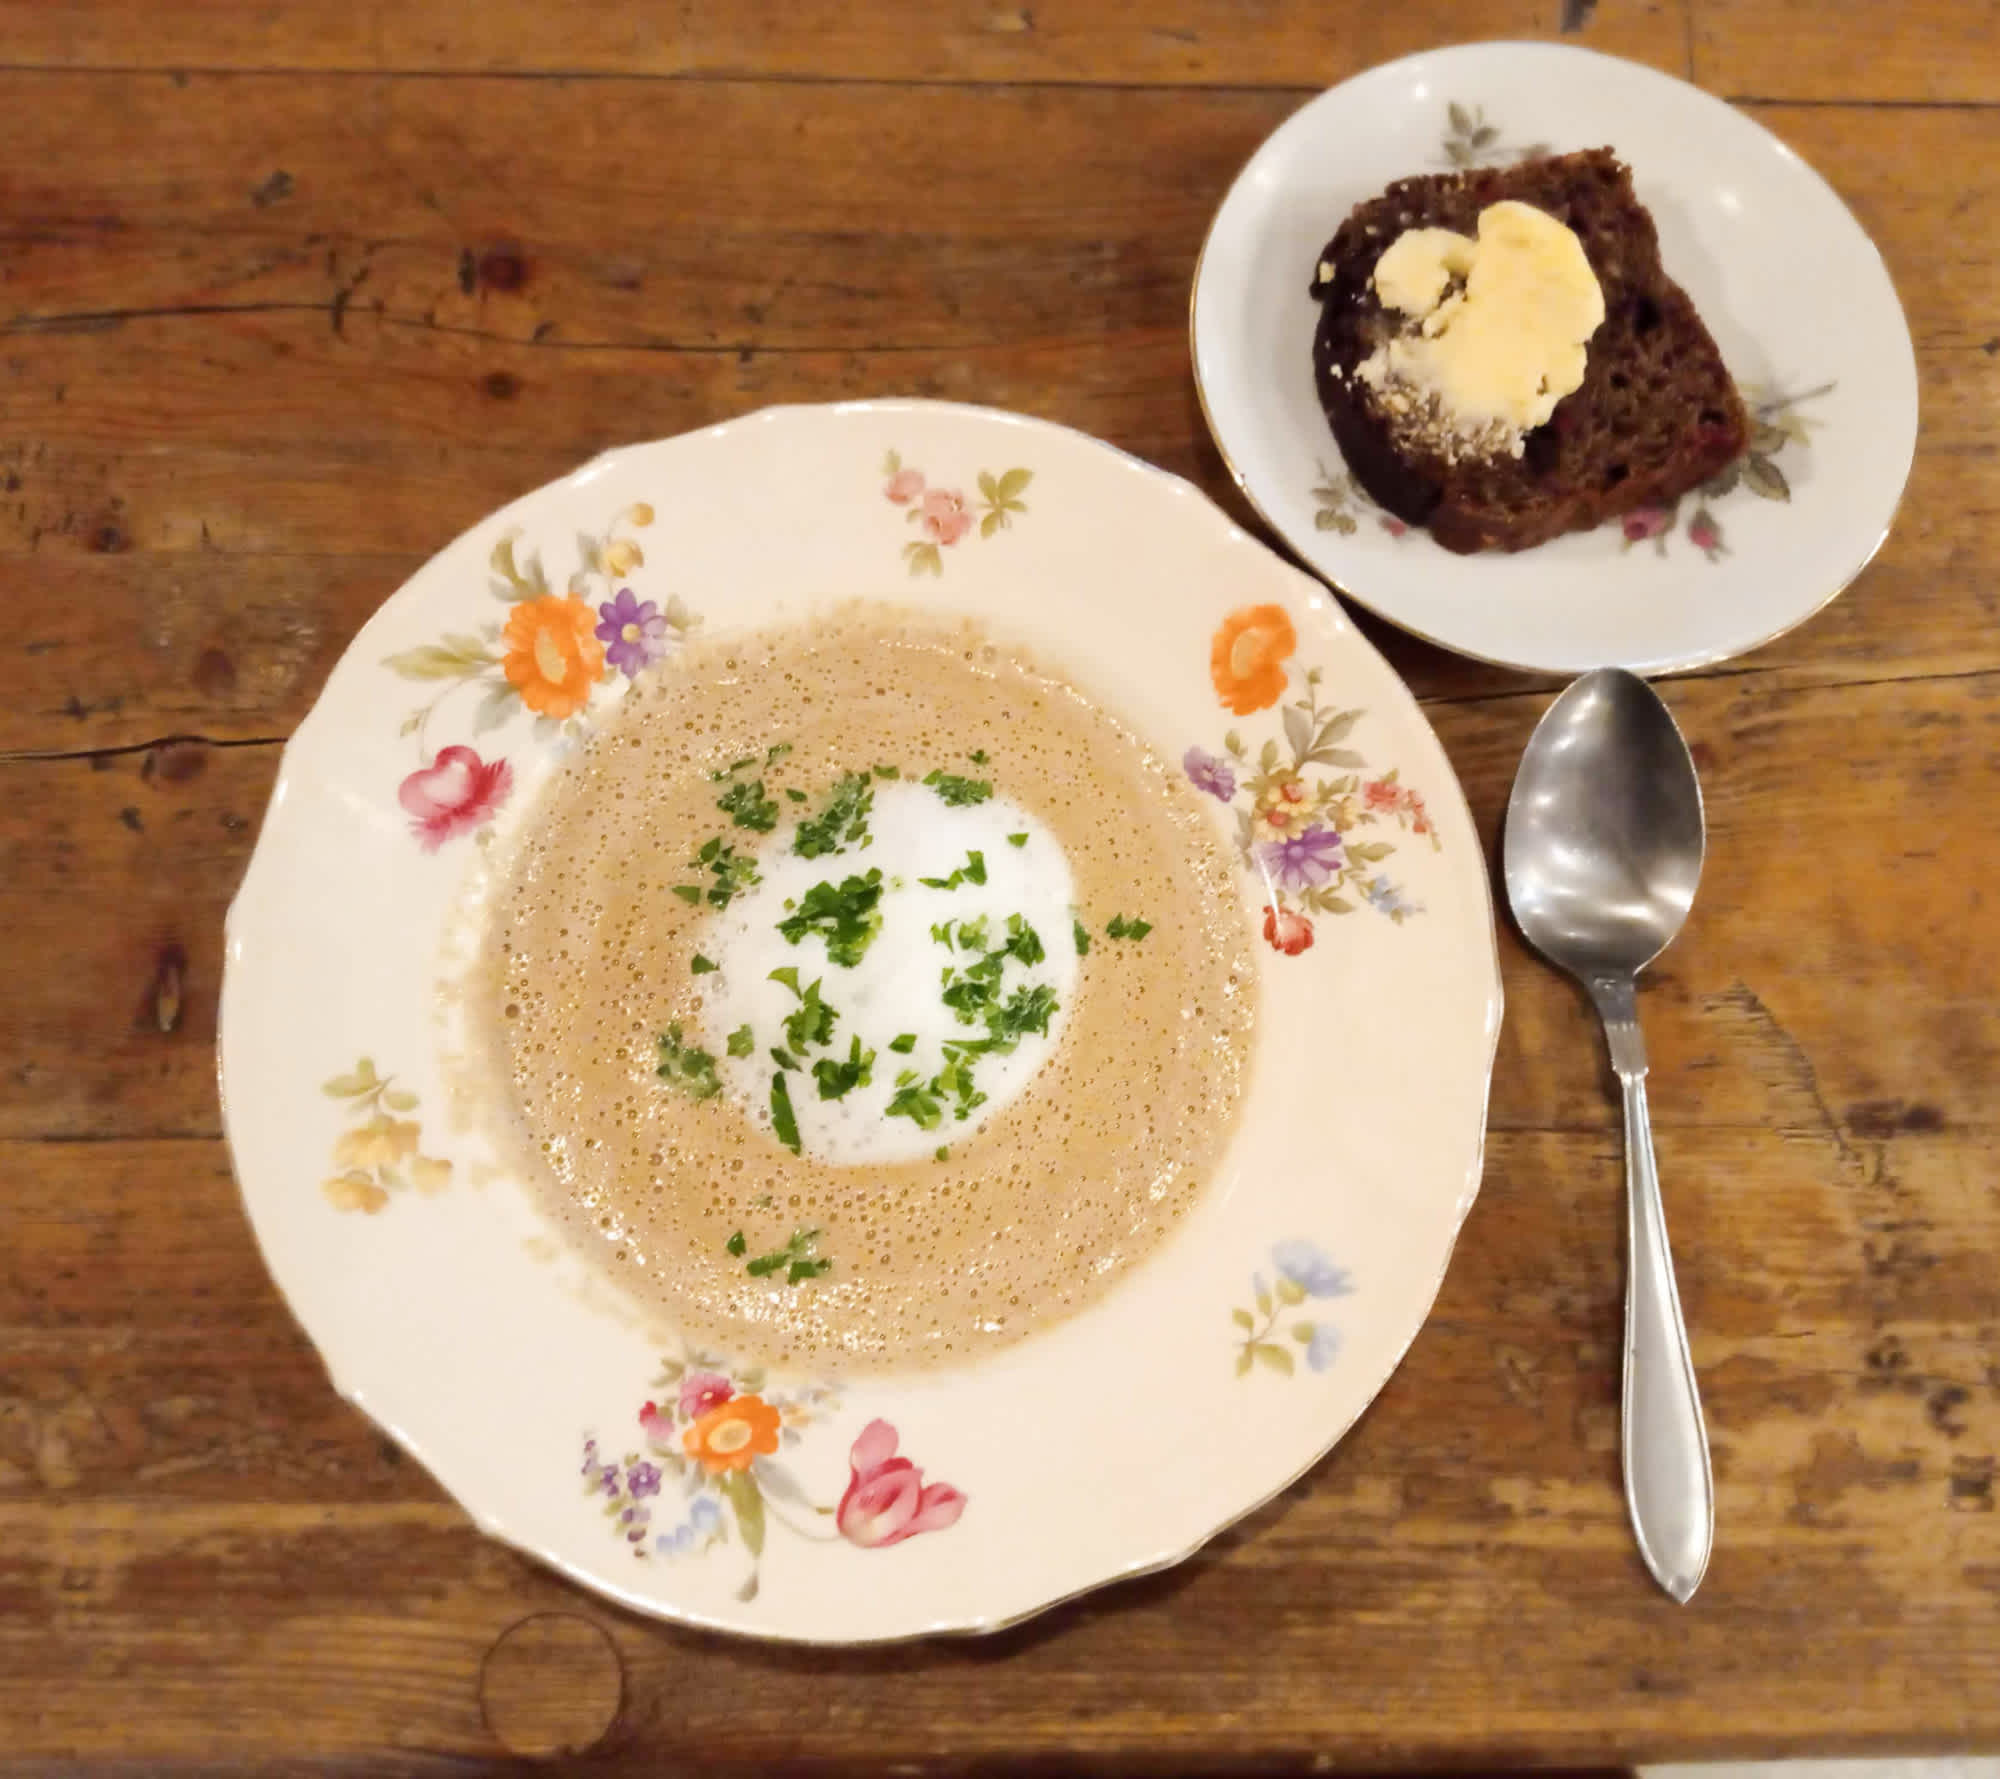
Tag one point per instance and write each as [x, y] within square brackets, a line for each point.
[1604, 829]
[1602, 855]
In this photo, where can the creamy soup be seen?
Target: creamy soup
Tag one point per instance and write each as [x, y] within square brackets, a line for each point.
[864, 996]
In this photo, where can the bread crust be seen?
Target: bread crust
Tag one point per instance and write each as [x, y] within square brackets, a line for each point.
[1657, 412]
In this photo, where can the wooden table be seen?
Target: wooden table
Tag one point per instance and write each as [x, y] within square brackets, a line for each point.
[290, 294]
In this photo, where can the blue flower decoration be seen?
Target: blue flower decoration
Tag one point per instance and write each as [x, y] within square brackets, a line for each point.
[1322, 1349]
[1310, 1270]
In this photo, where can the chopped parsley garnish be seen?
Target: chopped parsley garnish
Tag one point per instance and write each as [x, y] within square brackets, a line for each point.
[732, 874]
[972, 934]
[689, 1069]
[796, 1260]
[811, 1022]
[843, 821]
[784, 1058]
[776, 752]
[905, 1044]
[742, 1041]
[943, 1152]
[845, 914]
[746, 805]
[1017, 840]
[916, 1102]
[954, 1080]
[836, 1078]
[783, 1122]
[796, 795]
[887, 772]
[972, 871]
[1121, 928]
[977, 756]
[730, 771]
[736, 1245]
[1023, 942]
[956, 791]
[702, 966]
[1027, 1010]
[1082, 938]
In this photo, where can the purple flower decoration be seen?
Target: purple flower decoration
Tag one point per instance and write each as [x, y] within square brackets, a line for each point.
[1310, 1269]
[1210, 773]
[643, 1479]
[1305, 861]
[633, 631]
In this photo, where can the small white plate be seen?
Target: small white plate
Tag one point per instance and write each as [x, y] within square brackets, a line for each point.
[577, 1427]
[1792, 289]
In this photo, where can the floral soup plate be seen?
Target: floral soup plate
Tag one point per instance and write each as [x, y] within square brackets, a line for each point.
[568, 1420]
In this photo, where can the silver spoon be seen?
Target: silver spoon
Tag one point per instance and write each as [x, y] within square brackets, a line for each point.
[1603, 852]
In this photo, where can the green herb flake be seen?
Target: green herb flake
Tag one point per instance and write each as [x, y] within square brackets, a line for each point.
[746, 805]
[943, 1152]
[887, 772]
[688, 892]
[776, 752]
[918, 1104]
[811, 1022]
[977, 756]
[836, 1078]
[732, 873]
[689, 1069]
[784, 1058]
[958, 792]
[1121, 928]
[1026, 1010]
[845, 914]
[841, 823]
[975, 867]
[972, 934]
[736, 1244]
[904, 1044]
[783, 1122]
[702, 966]
[730, 771]
[742, 1041]
[1017, 840]
[796, 795]
[801, 1270]
[1082, 938]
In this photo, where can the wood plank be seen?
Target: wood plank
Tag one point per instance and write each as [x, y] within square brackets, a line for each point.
[219, 1536]
[1839, 875]
[1177, 42]
[1934, 51]
[138, 457]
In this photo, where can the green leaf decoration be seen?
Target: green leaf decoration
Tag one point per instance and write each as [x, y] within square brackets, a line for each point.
[1234, 743]
[892, 463]
[495, 708]
[1461, 119]
[1335, 756]
[740, 1490]
[1243, 1320]
[1370, 852]
[923, 558]
[1291, 1292]
[457, 657]
[1763, 477]
[992, 522]
[1264, 1303]
[1302, 1332]
[1242, 1361]
[1275, 1357]
[399, 1101]
[1327, 519]
[988, 486]
[1298, 731]
[1014, 484]
[748, 1591]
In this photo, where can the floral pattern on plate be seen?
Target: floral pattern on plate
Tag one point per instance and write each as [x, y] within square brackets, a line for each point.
[943, 514]
[550, 657]
[1302, 1272]
[378, 1155]
[710, 1467]
[1470, 141]
[1773, 425]
[1296, 827]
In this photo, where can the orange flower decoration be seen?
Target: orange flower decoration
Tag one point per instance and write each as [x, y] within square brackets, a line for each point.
[553, 655]
[1247, 659]
[729, 1437]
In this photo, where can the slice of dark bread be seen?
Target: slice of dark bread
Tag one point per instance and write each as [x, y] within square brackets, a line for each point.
[1656, 413]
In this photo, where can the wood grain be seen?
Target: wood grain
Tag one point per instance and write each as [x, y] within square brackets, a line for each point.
[1172, 43]
[1934, 52]
[290, 295]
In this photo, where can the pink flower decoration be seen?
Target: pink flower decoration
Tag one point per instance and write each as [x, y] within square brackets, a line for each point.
[1644, 522]
[904, 486]
[453, 795]
[886, 1500]
[945, 517]
[1395, 527]
[1380, 793]
[702, 1391]
[657, 1425]
[1704, 533]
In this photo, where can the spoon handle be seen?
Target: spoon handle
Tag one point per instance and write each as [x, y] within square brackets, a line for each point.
[1668, 1483]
